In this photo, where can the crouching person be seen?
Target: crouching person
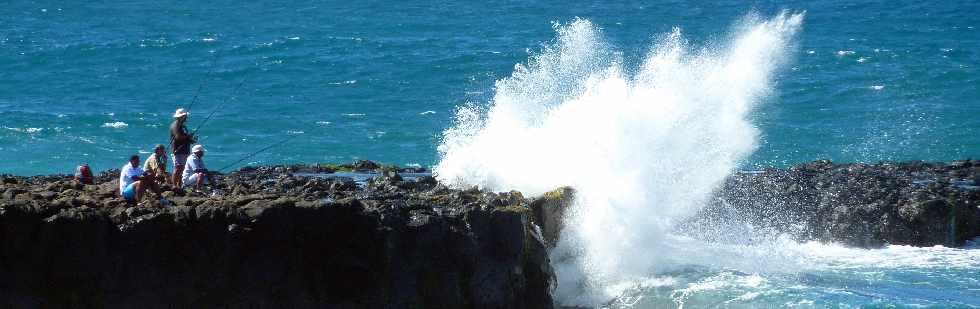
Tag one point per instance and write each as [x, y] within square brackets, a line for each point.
[157, 164]
[195, 174]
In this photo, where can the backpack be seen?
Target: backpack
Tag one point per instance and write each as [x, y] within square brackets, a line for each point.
[84, 174]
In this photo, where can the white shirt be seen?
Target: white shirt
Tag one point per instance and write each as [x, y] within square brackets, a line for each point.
[126, 175]
[193, 163]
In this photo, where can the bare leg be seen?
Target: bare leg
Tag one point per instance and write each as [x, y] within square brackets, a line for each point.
[178, 171]
[200, 180]
[139, 190]
[152, 185]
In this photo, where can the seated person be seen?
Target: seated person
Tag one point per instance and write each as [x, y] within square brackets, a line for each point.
[195, 174]
[131, 185]
[157, 163]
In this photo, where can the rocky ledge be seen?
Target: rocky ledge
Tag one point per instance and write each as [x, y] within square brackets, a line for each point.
[271, 237]
[907, 203]
[334, 237]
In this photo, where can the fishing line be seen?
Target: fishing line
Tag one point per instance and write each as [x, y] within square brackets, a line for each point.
[200, 86]
[214, 63]
[216, 109]
[262, 150]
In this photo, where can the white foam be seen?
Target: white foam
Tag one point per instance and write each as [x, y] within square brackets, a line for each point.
[427, 113]
[830, 256]
[845, 52]
[784, 255]
[653, 145]
[115, 125]
[354, 115]
[877, 87]
[25, 130]
[746, 274]
[747, 296]
[323, 123]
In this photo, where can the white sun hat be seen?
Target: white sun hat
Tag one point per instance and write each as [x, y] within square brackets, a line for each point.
[180, 113]
[197, 148]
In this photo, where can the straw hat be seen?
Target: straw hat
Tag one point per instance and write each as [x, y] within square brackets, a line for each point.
[197, 148]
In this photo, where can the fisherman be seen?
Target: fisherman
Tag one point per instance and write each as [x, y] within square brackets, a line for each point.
[131, 180]
[83, 175]
[196, 174]
[157, 163]
[180, 143]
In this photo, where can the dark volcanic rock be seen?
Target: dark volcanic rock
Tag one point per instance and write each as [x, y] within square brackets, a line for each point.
[549, 213]
[265, 238]
[365, 165]
[912, 203]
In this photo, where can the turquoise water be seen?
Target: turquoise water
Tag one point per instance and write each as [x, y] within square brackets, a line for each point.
[377, 80]
[864, 81]
[813, 275]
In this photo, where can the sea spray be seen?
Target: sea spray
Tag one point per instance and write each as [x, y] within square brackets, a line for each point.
[642, 150]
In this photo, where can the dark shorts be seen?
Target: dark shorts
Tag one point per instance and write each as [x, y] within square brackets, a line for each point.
[180, 159]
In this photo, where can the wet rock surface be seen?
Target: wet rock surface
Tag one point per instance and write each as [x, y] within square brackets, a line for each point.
[267, 238]
[908, 203]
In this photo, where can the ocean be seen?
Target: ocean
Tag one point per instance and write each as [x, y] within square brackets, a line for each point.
[644, 106]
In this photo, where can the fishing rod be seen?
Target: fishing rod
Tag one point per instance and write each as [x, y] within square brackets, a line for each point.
[260, 151]
[200, 86]
[216, 109]
[214, 63]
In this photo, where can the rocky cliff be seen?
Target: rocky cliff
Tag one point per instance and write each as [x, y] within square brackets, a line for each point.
[303, 237]
[907, 203]
[266, 238]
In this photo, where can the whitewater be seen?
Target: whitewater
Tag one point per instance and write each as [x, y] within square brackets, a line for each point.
[645, 147]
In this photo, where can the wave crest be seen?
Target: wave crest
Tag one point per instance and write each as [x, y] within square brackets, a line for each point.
[641, 150]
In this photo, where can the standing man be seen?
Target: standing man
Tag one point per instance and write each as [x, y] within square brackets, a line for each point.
[180, 143]
[157, 163]
[195, 173]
